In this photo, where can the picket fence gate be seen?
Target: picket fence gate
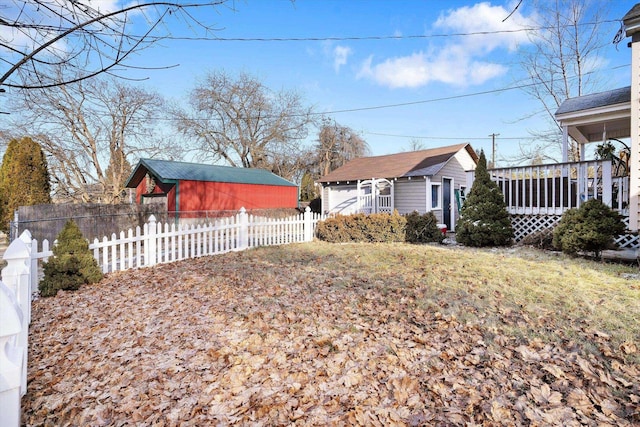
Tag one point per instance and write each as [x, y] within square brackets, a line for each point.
[152, 244]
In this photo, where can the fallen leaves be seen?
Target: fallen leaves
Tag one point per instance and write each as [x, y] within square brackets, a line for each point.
[242, 338]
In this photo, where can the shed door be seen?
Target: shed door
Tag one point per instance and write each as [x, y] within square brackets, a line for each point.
[446, 202]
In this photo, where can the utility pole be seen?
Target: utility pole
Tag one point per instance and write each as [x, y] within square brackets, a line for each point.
[493, 149]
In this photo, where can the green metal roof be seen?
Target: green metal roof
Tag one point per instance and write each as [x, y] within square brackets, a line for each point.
[170, 171]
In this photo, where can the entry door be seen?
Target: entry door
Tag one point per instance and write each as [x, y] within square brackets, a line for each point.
[446, 202]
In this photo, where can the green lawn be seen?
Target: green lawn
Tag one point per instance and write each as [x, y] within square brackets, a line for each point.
[370, 334]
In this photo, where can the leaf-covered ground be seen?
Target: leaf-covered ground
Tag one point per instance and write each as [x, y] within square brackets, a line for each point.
[320, 334]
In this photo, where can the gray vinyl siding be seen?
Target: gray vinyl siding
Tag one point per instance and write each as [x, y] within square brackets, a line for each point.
[453, 169]
[325, 199]
[410, 195]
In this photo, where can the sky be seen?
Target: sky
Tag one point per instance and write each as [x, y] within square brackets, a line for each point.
[392, 70]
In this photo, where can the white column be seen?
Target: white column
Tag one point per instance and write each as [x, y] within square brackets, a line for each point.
[606, 183]
[565, 144]
[634, 161]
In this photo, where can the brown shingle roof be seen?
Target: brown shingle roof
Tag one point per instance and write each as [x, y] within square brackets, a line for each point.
[412, 163]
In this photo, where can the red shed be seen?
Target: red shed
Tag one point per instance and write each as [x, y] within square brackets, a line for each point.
[199, 187]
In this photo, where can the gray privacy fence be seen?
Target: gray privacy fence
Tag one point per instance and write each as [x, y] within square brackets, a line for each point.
[45, 221]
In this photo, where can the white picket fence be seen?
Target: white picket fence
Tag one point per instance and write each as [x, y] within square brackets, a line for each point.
[143, 247]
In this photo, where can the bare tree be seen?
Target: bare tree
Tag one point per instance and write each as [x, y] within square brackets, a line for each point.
[244, 124]
[415, 144]
[90, 130]
[560, 64]
[290, 161]
[85, 39]
[337, 145]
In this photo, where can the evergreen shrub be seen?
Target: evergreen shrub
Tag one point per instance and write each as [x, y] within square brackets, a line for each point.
[72, 264]
[363, 228]
[316, 205]
[24, 178]
[484, 220]
[589, 228]
[423, 228]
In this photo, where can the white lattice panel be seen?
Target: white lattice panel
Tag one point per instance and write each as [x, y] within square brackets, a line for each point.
[628, 241]
[523, 225]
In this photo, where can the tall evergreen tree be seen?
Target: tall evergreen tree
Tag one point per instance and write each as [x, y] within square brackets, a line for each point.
[484, 220]
[307, 188]
[24, 178]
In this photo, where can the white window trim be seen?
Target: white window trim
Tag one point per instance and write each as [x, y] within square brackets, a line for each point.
[439, 207]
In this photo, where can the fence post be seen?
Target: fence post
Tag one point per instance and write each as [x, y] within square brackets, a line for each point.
[243, 232]
[11, 358]
[150, 242]
[32, 265]
[16, 277]
[308, 225]
[14, 227]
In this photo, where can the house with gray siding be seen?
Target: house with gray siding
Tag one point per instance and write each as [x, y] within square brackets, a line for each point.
[430, 180]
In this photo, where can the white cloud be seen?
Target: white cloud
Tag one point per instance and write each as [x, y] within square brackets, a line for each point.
[463, 61]
[485, 18]
[340, 56]
[420, 69]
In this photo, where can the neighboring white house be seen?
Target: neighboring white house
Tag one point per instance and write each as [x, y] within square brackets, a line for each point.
[425, 181]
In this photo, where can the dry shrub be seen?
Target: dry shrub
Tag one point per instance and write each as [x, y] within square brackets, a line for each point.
[542, 239]
[363, 228]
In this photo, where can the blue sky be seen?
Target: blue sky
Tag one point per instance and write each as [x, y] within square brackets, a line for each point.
[420, 69]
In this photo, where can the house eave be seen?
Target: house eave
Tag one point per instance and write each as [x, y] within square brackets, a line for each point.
[620, 110]
[355, 181]
[595, 124]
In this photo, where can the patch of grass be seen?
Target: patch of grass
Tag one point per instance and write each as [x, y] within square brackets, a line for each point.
[520, 291]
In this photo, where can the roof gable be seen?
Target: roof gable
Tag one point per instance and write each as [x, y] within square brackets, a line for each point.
[409, 164]
[169, 171]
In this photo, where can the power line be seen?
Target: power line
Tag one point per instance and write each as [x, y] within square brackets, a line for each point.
[375, 37]
[473, 138]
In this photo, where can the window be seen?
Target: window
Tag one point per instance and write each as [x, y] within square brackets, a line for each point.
[435, 196]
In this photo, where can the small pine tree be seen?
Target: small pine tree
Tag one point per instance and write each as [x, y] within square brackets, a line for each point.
[484, 220]
[590, 228]
[72, 264]
[24, 178]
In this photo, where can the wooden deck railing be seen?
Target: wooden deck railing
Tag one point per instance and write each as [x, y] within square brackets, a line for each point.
[555, 188]
[383, 204]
